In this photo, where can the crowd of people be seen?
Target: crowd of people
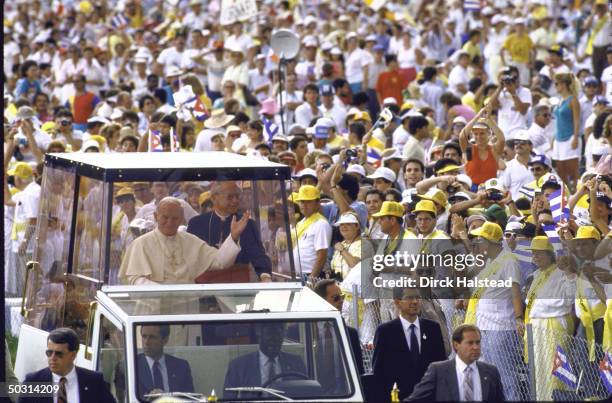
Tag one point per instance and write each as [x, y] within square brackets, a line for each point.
[488, 125]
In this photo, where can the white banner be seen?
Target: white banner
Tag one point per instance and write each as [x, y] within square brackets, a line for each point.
[237, 10]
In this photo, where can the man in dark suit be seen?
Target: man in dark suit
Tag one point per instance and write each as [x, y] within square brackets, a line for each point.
[261, 367]
[329, 290]
[463, 377]
[214, 227]
[75, 384]
[404, 347]
[159, 372]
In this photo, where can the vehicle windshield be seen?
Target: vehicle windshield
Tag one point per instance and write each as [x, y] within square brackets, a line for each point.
[298, 359]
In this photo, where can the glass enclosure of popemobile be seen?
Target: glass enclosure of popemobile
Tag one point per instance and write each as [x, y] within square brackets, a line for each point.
[86, 223]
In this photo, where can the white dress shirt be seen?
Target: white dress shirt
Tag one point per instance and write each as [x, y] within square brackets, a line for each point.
[477, 387]
[72, 386]
[264, 367]
[162, 368]
[408, 332]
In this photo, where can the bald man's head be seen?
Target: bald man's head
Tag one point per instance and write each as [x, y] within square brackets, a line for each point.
[225, 197]
[169, 215]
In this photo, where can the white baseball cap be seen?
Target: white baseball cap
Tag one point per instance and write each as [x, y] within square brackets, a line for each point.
[347, 218]
[357, 169]
[383, 173]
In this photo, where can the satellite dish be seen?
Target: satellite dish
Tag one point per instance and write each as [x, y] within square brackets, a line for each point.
[285, 43]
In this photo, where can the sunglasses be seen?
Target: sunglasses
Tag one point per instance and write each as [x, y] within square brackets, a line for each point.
[509, 235]
[338, 297]
[546, 115]
[521, 142]
[536, 169]
[59, 354]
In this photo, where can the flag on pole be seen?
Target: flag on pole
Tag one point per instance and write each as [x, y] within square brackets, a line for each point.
[563, 370]
[155, 143]
[558, 205]
[119, 20]
[524, 257]
[375, 147]
[528, 192]
[555, 240]
[605, 371]
[270, 128]
[471, 5]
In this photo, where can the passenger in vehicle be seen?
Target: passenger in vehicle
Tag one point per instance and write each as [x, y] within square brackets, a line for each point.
[212, 227]
[160, 191]
[168, 256]
[157, 371]
[263, 366]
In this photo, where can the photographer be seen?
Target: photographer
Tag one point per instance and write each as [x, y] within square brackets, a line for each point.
[513, 103]
[65, 130]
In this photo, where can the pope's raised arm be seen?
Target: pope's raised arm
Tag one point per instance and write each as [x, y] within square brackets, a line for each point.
[167, 256]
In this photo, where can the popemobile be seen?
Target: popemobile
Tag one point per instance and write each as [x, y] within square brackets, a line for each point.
[227, 338]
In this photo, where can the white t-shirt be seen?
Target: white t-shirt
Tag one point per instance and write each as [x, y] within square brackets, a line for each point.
[495, 310]
[355, 64]
[515, 176]
[315, 238]
[257, 79]
[170, 57]
[337, 113]
[458, 76]
[26, 208]
[304, 115]
[606, 78]
[509, 119]
[541, 137]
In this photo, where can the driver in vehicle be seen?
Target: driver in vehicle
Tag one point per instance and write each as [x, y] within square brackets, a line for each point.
[264, 366]
[213, 226]
[159, 372]
[167, 256]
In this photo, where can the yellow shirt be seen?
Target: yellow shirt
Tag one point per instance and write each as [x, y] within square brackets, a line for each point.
[518, 47]
[471, 49]
[469, 100]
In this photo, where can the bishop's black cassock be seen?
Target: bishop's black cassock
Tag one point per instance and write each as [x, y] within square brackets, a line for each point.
[213, 230]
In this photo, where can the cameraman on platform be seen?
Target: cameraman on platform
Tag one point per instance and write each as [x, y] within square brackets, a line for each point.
[513, 103]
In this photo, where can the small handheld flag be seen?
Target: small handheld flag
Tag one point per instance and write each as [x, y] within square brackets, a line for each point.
[558, 205]
[605, 371]
[563, 370]
[555, 240]
[155, 143]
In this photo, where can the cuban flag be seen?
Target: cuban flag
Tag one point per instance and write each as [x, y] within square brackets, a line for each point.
[555, 240]
[175, 144]
[119, 20]
[197, 109]
[155, 144]
[558, 205]
[605, 371]
[524, 257]
[471, 5]
[563, 370]
[528, 192]
[270, 128]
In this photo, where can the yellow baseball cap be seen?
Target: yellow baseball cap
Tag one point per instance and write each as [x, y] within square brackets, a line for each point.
[204, 197]
[435, 195]
[99, 139]
[588, 232]
[125, 191]
[47, 127]
[390, 208]
[308, 192]
[425, 205]
[541, 243]
[489, 231]
[363, 115]
[448, 168]
[22, 170]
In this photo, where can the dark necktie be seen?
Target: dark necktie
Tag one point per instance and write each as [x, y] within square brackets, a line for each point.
[158, 381]
[271, 371]
[62, 396]
[468, 385]
[414, 344]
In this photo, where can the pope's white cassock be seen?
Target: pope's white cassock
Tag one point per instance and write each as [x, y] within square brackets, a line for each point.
[177, 259]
